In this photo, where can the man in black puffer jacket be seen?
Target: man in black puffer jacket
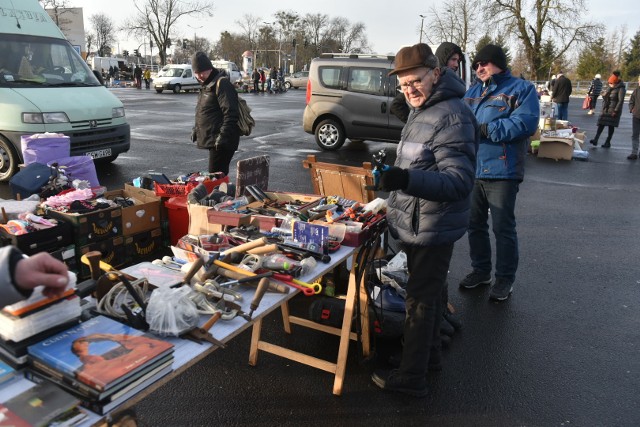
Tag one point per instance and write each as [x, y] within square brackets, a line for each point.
[428, 206]
[216, 127]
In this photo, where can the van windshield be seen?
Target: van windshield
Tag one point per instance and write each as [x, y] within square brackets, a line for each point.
[28, 61]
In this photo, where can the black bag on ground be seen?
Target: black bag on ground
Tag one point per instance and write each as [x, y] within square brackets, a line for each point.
[30, 180]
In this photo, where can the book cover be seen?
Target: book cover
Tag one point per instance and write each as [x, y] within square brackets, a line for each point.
[7, 373]
[40, 372]
[8, 418]
[35, 302]
[40, 404]
[100, 352]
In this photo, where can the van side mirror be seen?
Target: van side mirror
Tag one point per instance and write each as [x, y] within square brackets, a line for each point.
[98, 76]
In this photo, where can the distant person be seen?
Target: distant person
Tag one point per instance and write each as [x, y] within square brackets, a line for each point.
[560, 95]
[137, 76]
[449, 55]
[612, 102]
[217, 112]
[428, 205]
[20, 275]
[146, 75]
[271, 82]
[263, 79]
[256, 80]
[508, 111]
[634, 108]
[595, 89]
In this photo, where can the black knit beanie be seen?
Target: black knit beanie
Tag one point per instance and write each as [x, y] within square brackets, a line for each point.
[200, 62]
[491, 53]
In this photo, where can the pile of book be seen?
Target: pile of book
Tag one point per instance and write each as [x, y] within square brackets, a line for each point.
[31, 320]
[101, 362]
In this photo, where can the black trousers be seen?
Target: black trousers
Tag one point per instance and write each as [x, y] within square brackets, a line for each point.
[428, 267]
[219, 160]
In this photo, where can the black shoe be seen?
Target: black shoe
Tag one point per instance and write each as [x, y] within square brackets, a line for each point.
[445, 341]
[446, 328]
[475, 278]
[606, 145]
[453, 319]
[501, 289]
[594, 142]
[392, 381]
[435, 361]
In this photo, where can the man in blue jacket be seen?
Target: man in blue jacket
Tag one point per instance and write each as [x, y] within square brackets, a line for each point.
[428, 206]
[508, 110]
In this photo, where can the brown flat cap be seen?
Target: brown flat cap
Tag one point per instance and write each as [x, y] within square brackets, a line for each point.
[418, 55]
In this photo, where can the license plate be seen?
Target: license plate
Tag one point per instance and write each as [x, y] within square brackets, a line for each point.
[99, 154]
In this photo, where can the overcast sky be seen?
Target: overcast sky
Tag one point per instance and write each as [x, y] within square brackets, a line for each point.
[389, 26]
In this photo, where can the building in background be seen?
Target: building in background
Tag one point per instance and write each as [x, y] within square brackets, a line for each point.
[71, 23]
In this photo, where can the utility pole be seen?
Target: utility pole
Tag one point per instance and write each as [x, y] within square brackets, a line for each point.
[194, 36]
[421, 26]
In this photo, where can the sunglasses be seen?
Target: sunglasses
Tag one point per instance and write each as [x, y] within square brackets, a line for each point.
[480, 64]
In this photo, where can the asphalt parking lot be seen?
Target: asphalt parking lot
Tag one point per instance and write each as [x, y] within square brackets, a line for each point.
[562, 351]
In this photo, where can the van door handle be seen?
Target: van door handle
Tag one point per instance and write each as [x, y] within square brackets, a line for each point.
[383, 107]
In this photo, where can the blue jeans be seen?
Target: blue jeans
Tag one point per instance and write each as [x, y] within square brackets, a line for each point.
[563, 110]
[499, 198]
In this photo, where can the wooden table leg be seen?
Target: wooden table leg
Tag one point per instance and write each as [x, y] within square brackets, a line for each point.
[364, 318]
[255, 338]
[285, 317]
[343, 349]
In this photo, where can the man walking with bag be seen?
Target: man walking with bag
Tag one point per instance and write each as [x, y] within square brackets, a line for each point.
[216, 128]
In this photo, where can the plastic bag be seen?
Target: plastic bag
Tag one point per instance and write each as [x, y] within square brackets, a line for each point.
[170, 311]
[44, 147]
[79, 167]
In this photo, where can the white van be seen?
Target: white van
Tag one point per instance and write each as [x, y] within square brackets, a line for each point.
[230, 68]
[176, 77]
[45, 86]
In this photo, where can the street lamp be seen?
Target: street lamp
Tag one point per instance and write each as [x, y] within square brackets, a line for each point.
[422, 26]
[194, 36]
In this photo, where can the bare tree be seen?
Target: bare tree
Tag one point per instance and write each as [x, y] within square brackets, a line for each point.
[89, 39]
[316, 27]
[349, 37]
[250, 29]
[156, 18]
[533, 21]
[104, 32]
[456, 21]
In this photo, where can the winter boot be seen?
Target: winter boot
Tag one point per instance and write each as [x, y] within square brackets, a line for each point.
[607, 143]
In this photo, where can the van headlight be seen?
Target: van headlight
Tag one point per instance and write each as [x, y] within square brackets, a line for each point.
[40, 118]
[117, 112]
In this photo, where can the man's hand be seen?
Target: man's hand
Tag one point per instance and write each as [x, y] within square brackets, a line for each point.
[394, 178]
[194, 136]
[42, 269]
[219, 143]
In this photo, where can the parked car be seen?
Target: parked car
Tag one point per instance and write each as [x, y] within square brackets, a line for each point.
[349, 96]
[297, 80]
[176, 78]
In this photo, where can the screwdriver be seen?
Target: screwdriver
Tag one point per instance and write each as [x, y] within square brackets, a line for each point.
[257, 297]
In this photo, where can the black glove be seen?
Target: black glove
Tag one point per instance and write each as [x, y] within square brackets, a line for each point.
[394, 178]
[194, 136]
[219, 143]
[484, 130]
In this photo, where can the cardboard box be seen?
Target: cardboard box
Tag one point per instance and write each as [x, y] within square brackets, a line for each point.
[142, 216]
[555, 147]
[112, 250]
[93, 226]
[143, 244]
[149, 193]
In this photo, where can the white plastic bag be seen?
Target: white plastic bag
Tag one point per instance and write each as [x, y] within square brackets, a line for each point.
[170, 311]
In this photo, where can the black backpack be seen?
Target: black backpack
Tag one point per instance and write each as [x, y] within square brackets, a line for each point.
[245, 121]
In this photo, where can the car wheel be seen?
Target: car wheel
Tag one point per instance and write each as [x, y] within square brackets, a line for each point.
[176, 89]
[8, 160]
[287, 85]
[329, 135]
[159, 90]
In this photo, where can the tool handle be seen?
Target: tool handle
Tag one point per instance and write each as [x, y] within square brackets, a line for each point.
[92, 259]
[246, 246]
[263, 285]
[263, 249]
[197, 264]
[317, 287]
[216, 316]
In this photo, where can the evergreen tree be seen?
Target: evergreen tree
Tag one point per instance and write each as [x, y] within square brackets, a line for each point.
[547, 55]
[594, 59]
[631, 67]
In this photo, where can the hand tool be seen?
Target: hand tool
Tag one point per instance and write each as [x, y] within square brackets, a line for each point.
[200, 334]
[165, 265]
[93, 260]
[197, 264]
[257, 297]
[379, 159]
[233, 272]
[289, 281]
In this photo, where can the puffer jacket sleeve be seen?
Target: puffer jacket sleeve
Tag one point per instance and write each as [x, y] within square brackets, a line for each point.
[8, 292]
[454, 148]
[620, 101]
[522, 122]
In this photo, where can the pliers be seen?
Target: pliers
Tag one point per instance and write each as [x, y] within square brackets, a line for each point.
[309, 289]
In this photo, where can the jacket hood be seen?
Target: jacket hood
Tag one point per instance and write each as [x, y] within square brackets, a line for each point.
[445, 50]
[448, 86]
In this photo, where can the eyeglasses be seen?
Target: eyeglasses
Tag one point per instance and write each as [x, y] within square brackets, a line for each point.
[480, 64]
[414, 83]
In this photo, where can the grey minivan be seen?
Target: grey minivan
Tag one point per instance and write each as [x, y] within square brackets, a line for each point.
[350, 96]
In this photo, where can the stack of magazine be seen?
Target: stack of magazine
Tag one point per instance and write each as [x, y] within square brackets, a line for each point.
[101, 362]
[31, 320]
